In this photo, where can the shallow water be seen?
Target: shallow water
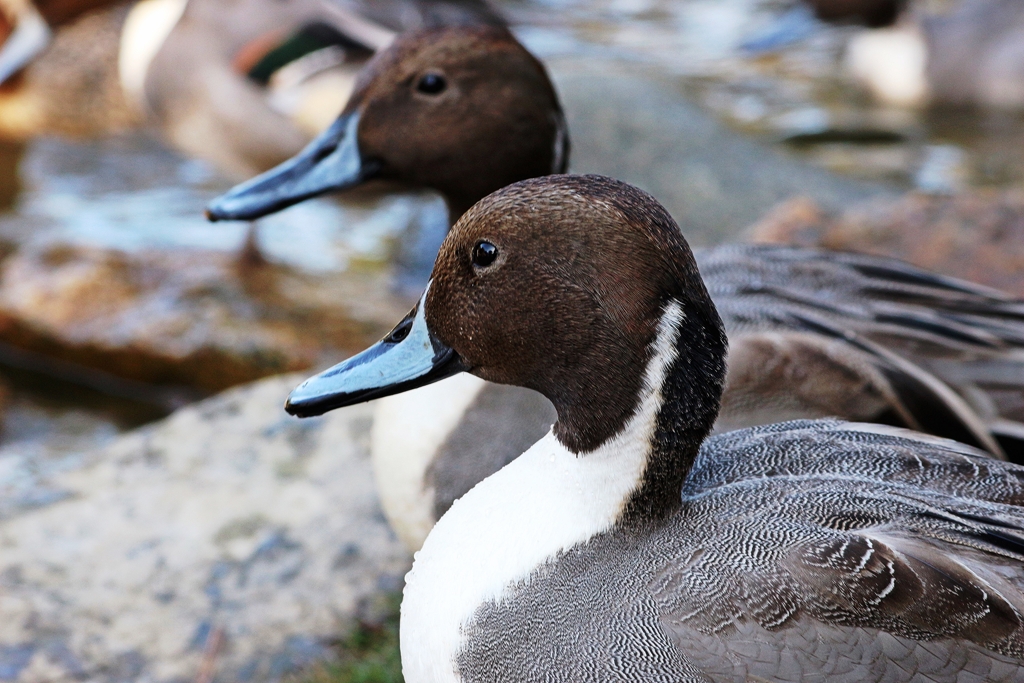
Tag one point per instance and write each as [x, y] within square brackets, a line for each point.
[637, 76]
[799, 96]
[131, 193]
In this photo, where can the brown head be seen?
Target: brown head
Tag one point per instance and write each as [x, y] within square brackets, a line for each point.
[462, 110]
[560, 284]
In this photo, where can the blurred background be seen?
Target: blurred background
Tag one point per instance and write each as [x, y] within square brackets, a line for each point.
[891, 127]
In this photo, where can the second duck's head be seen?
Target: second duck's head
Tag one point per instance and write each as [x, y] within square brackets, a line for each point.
[461, 110]
[579, 287]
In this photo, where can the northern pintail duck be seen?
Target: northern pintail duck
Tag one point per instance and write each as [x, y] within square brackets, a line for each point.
[26, 28]
[972, 54]
[813, 333]
[628, 545]
[242, 84]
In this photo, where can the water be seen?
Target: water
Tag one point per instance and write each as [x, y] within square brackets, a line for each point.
[131, 193]
[799, 96]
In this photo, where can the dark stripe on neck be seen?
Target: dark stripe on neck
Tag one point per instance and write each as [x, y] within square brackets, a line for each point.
[691, 397]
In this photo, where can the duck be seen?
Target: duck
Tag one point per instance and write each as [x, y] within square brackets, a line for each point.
[468, 110]
[969, 55]
[631, 544]
[242, 85]
[26, 28]
[871, 13]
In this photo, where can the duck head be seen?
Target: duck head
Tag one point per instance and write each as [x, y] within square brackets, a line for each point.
[559, 284]
[462, 110]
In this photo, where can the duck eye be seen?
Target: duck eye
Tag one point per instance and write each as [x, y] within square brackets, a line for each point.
[484, 254]
[432, 84]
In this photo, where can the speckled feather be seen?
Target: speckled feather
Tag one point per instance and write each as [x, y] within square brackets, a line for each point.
[807, 551]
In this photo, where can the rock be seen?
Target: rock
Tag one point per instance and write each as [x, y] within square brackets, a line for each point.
[977, 235]
[187, 317]
[229, 534]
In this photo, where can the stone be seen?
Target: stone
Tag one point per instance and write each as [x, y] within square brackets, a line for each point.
[976, 235]
[197, 318]
[229, 537]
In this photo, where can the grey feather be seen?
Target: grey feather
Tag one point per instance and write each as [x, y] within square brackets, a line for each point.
[889, 342]
[806, 551]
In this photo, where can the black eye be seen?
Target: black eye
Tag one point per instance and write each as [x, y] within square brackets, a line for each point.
[484, 254]
[432, 84]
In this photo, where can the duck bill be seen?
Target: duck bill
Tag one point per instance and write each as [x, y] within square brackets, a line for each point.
[330, 162]
[410, 357]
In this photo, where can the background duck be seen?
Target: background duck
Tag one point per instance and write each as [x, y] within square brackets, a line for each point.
[892, 555]
[242, 84]
[873, 13]
[26, 28]
[972, 54]
[812, 333]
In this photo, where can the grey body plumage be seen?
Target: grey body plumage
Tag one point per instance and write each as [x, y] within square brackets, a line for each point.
[805, 551]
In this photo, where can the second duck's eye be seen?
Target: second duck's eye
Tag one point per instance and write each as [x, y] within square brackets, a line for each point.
[484, 254]
[432, 84]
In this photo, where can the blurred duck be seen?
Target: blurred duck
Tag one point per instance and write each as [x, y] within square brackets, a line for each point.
[971, 55]
[26, 28]
[802, 20]
[872, 13]
[626, 545]
[244, 84]
[466, 111]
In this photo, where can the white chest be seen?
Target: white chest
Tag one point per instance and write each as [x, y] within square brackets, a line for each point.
[544, 502]
[408, 430]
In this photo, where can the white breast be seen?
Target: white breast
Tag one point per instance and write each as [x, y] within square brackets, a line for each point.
[407, 431]
[546, 501]
[145, 29]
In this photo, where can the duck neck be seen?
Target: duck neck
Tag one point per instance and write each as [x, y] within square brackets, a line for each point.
[675, 410]
[690, 398]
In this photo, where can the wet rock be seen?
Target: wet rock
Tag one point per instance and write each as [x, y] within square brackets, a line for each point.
[229, 536]
[977, 235]
[199, 318]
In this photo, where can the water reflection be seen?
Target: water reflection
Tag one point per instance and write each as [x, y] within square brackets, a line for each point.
[796, 84]
[131, 193]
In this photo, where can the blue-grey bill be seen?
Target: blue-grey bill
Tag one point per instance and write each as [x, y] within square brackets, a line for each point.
[330, 162]
[410, 357]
